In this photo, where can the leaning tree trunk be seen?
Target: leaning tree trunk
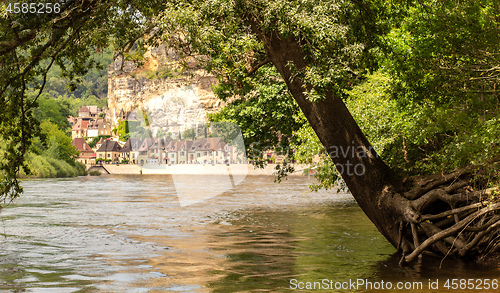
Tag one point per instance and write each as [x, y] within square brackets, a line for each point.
[440, 215]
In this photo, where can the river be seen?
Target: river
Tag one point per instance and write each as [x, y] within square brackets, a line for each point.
[130, 234]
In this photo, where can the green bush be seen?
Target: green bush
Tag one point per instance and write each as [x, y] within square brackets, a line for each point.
[48, 167]
[63, 169]
[40, 167]
[98, 160]
[94, 173]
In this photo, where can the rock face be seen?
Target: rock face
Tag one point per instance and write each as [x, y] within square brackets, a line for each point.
[172, 98]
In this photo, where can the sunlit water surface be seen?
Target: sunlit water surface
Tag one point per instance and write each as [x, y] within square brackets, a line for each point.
[130, 234]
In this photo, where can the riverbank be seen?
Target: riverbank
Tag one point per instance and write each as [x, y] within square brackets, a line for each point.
[43, 166]
[191, 169]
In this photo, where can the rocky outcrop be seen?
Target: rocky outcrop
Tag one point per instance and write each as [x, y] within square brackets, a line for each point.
[173, 97]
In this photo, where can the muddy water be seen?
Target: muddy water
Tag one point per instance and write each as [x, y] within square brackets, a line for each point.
[130, 234]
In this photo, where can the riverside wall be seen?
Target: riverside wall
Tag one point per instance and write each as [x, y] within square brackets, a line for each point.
[195, 169]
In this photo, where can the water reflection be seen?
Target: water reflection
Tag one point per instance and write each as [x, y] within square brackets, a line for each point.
[308, 244]
[126, 233]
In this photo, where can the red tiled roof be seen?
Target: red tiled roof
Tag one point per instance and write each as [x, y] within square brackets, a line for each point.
[80, 125]
[92, 109]
[82, 146]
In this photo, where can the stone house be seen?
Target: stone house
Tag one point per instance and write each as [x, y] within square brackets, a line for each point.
[143, 156]
[201, 151]
[130, 150]
[84, 113]
[98, 127]
[87, 155]
[109, 150]
[158, 150]
[79, 129]
[171, 151]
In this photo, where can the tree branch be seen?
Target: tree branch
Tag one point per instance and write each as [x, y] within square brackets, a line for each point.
[259, 65]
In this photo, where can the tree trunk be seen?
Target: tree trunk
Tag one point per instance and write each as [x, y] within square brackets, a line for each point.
[395, 211]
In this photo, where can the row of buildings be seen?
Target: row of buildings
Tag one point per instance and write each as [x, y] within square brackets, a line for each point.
[91, 123]
[159, 151]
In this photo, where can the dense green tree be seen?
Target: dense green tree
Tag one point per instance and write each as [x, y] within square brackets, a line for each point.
[58, 143]
[93, 83]
[55, 111]
[189, 134]
[444, 74]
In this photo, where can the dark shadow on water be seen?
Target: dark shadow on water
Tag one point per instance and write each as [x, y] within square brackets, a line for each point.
[432, 268]
[273, 247]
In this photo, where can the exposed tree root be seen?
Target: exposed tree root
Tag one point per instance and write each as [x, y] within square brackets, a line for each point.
[451, 215]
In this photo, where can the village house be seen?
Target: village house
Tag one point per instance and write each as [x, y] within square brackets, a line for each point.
[202, 151]
[84, 113]
[87, 155]
[190, 148]
[91, 112]
[171, 151]
[79, 129]
[182, 151]
[198, 150]
[130, 150]
[157, 151]
[98, 127]
[109, 150]
[143, 156]
[177, 151]
[95, 112]
[72, 120]
[98, 144]
[211, 150]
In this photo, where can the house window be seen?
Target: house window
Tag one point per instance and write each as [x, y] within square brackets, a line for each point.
[191, 157]
[133, 155]
[198, 155]
[109, 155]
[172, 155]
[182, 153]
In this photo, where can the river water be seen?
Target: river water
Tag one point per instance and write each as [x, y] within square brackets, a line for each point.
[130, 234]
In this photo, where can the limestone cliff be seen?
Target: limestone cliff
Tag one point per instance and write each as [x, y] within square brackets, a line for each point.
[174, 99]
